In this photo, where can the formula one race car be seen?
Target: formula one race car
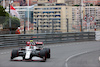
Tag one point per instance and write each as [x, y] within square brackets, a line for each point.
[30, 51]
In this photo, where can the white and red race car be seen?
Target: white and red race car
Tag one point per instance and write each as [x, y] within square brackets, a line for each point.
[32, 52]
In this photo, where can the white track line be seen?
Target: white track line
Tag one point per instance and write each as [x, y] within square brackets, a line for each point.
[5, 53]
[75, 56]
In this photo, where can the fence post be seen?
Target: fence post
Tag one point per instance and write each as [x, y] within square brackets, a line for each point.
[61, 37]
[45, 38]
[37, 26]
[88, 35]
[37, 29]
[75, 36]
[82, 35]
[10, 24]
[24, 26]
[52, 26]
[17, 37]
[9, 18]
[67, 26]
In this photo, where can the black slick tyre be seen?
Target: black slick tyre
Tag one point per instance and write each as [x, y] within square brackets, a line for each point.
[43, 55]
[48, 52]
[14, 54]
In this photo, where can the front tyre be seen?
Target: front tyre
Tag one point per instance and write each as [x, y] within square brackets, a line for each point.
[43, 55]
[14, 54]
[44, 59]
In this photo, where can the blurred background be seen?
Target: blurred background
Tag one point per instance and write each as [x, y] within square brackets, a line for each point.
[49, 16]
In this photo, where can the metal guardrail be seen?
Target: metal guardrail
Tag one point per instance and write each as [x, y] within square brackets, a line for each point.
[16, 39]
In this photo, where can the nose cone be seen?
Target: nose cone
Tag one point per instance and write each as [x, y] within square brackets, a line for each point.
[28, 53]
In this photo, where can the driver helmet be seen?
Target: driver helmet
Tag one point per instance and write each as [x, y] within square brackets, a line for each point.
[31, 40]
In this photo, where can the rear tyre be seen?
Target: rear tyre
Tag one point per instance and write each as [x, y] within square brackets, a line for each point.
[48, 55]
[48, 52]
[14, 54]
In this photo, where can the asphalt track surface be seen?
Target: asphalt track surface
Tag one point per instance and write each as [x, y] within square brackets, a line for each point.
[90, 59]
[60, 52]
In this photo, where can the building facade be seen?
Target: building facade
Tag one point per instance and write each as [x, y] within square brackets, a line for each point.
[25, 2]
[90, 15]
[46, 1]
[60, 1]
[94, 2]
[54, 18]
[51, 18]
[21, 2]
[16, 4]
[85, 2]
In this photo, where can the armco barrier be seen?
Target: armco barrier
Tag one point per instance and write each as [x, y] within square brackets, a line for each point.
[15, 39]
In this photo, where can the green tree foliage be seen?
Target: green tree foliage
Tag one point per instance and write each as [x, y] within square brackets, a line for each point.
[3, 15]
[91, 4]
[15, 23]
[76, 5]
